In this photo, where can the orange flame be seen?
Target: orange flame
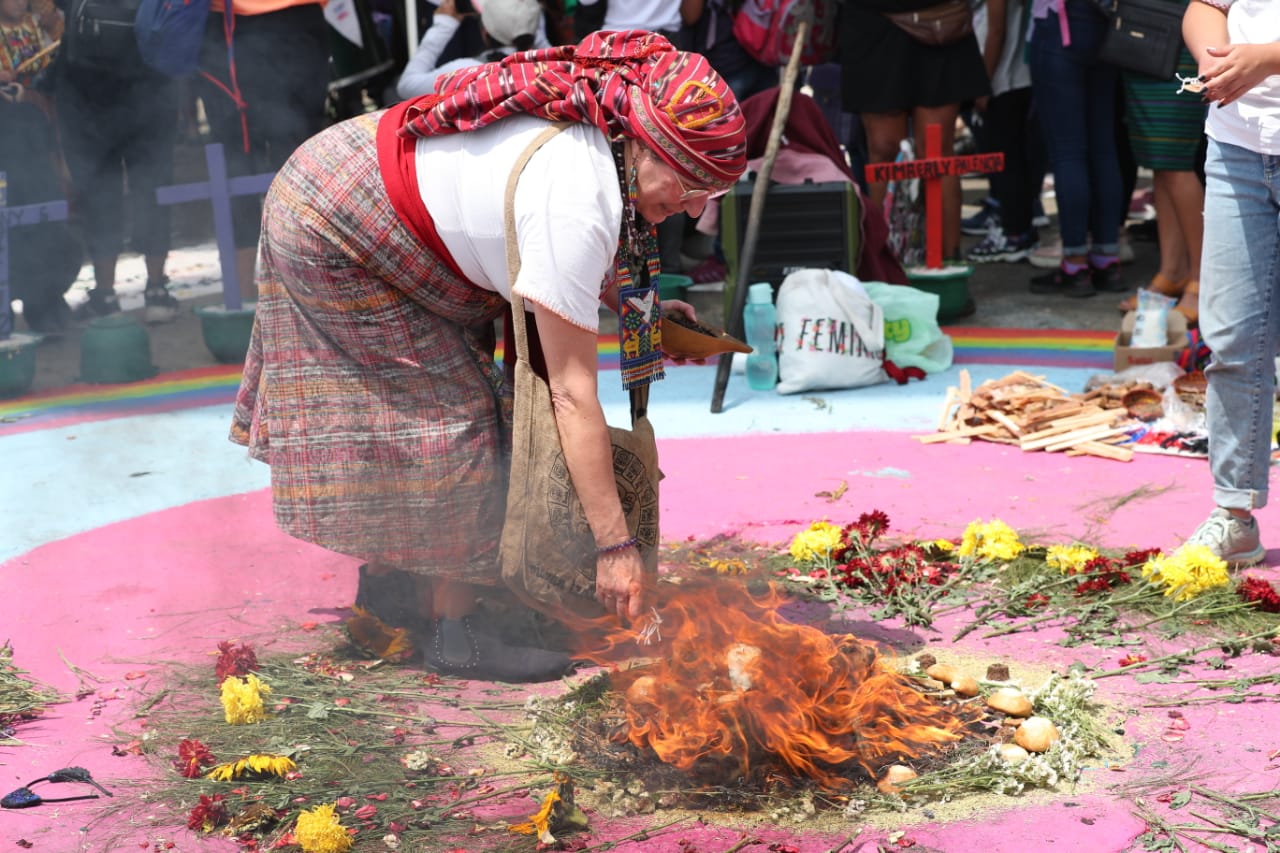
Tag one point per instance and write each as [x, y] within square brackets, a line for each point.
[737, 691]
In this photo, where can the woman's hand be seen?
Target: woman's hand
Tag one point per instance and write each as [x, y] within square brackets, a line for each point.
[681, 307]
[620, 582]
[449, 9]
[1233, 70]
[684, 309]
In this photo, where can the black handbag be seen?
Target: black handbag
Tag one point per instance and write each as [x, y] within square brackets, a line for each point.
[1145, 37]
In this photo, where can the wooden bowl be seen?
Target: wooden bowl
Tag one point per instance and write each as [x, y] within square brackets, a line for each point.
[1145, 404]
[682, 338]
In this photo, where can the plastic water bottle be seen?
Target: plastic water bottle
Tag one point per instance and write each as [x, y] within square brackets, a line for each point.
[761, 320]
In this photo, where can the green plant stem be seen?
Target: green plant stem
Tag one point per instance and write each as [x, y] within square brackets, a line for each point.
[1150, 817]
[1203, 700]
[1238, 803]
[744, 842]
[1224, 826]
[1185, 653]
[843, 844]
[441, 813]
[1013, 629]
[641, 835]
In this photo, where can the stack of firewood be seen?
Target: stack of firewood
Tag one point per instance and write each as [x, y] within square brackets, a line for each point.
[1025, 410]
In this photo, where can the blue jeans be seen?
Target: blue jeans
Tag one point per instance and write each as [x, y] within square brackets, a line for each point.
[1076, 101]
[1239, 300]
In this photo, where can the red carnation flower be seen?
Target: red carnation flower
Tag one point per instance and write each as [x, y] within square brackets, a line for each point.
[209, 814]
[1259, 591]
[192, 756]
[234, 660]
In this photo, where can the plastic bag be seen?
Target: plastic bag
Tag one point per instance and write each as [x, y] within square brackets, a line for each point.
[831, 333]
[912, 337]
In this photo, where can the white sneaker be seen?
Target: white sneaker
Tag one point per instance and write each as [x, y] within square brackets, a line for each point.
[1233, 539]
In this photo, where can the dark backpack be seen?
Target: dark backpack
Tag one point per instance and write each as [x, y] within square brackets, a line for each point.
[169, 33]
[99, 35]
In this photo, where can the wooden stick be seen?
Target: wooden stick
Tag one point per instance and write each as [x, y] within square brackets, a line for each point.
[746, 257]
[36, 57]
[1066, 425]
[937, 437]
[1071, 439]
[947, 403]
[966, 385]
[1106, 451]
[1006, 422]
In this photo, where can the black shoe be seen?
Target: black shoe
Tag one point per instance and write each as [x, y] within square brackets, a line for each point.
[161, 306]
[392, 597]
[102, 303]
[1077, 285]
[1108, 278]
[456, 647]
[49, 318]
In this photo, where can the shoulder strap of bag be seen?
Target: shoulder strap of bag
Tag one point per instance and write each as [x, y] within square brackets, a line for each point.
[513, 250]
[639, 396]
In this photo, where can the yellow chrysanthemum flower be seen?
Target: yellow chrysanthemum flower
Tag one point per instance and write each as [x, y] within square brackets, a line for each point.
[993, 540]
[817, 542]
[945, 545]
[242, 699]
[1191, 570]
[540, 823]
[319, 830]
[259, 765]
[729, 567]
[1069, 558]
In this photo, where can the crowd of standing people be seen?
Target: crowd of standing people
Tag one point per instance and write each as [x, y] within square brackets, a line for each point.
[646, 97]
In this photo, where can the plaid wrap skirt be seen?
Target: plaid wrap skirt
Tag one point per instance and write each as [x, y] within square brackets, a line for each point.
[370, 386]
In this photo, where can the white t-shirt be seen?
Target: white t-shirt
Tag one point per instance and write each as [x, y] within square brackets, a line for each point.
[421, 72]
[1011, 71]
[653, 15]
[1253, 122]
[568, 210]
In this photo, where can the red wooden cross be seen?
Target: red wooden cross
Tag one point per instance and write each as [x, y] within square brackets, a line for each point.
[932, 169]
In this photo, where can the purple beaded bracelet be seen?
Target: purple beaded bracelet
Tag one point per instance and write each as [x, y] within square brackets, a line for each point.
[629, 542]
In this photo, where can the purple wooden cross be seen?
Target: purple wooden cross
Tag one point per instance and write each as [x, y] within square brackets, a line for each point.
[11, 217]
[220, 190]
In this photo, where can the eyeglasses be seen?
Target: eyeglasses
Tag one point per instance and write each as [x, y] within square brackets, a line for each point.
[25, 798]
[687, 193]
[700, 194]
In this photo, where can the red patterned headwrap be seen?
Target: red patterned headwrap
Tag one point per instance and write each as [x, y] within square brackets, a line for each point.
[631, 83]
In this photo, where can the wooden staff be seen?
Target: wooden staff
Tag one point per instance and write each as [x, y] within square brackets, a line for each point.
[36, 57]
[745, 258]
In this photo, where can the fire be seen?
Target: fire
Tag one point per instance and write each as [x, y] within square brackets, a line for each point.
[737, 692]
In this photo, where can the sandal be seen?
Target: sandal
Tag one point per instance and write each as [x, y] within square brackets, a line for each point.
[1160, 284]
[1189, 303]
[25, 798]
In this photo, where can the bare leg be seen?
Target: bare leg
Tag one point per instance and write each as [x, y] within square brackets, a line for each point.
[246, 271]
[155, 267]
[1173, 250]
[1187, 194]
[104, 273]
[884, 131]
[452, 600]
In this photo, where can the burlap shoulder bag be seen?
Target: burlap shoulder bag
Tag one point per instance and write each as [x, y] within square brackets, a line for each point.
[548, 551]
[936, 26]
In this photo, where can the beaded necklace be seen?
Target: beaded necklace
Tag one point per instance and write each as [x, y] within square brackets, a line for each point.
[639, 313]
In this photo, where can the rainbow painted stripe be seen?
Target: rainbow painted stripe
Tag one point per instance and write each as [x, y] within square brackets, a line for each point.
[216, 386]
[1033, 347]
